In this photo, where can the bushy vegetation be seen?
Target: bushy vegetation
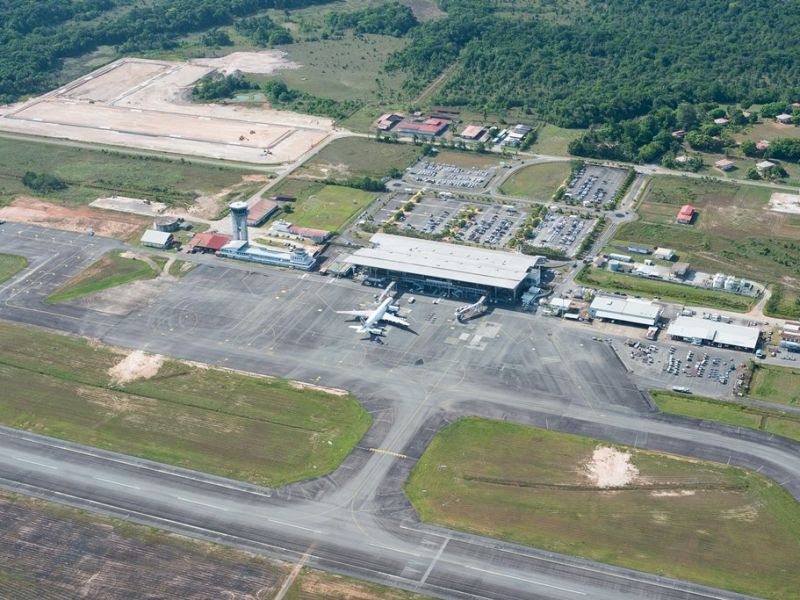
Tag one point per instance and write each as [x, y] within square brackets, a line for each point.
[281, 96]
[216, 86]
[781, 148]
[390, 18]
[35, 37]
[263, 31]
[43, 182]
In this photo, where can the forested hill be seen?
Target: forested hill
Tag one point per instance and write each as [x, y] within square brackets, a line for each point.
[35, 35]
[575, 63]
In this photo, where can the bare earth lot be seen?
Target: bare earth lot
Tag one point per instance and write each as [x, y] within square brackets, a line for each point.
[144, 104]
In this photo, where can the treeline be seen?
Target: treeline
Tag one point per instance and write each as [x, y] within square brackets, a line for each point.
[390, 18]
[781, 148]
[36, 36]
[609, 61]
[263, 31]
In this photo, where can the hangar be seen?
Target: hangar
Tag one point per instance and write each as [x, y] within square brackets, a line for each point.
[625, 310]
[724, 335]
[443, 269]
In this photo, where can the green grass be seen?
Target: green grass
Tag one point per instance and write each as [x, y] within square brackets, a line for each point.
[109, 271]
[680, 518]
[318, 585]
[776, 384]
[669, 292]
[358, 157]
[323, 206]
[730, 413]
[539, 182]
[251, 428]
[467, 160]
[97, 173]
[733, 232]
[180, 268]
[554, 140]
[10, 265]
[347, 69]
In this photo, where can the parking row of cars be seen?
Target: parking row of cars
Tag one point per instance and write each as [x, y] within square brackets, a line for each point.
[447, 175]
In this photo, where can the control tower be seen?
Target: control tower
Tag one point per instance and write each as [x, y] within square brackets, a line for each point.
[239, 220]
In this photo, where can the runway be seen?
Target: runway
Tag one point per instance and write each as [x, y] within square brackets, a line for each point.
[357, 521]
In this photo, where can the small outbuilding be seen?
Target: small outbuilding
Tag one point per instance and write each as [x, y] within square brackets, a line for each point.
[157, 239]
[664, 253]
[784, 119]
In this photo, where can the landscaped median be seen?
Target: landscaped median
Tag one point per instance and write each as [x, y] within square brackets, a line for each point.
[114, 268]
[729, 413]
[660, 513]
[669, 292]
[264, 430]
[10, 265]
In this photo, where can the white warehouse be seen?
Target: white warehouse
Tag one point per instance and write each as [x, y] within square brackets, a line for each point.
[724, 335]
[625, 310]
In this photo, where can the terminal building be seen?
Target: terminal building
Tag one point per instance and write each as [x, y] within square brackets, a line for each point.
[723, 335]
[450, 270]
[625, 310]
[240, 248]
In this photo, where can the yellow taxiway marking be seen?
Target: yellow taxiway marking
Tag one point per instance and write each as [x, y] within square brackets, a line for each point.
[389, 452]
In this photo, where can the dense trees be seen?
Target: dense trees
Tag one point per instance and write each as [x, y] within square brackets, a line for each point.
[216, 86]
[263, 31]
[390, 18]
[36, 36]
[607, 61]
[43, 182]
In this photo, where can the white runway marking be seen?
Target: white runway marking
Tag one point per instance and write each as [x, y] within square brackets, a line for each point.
[201, 503]
[33, 462]
[133, 487]
[533, 581]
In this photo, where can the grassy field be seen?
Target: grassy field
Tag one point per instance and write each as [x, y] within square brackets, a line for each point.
[467, 160]
[678, 517]
[768, 130]
[110, 271]
[91, 174]
[262, 430]
[554, 140]
[669, 292]
[776, 384]
[323, 206]
[739, 415]
[318, 585]
[733, 232]
[358, 157]
[539, 182]
[350, 68]
[10, 265]
[112, 558]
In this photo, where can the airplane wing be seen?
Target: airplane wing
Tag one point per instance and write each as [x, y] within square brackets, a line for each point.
[355, 313]
[395, 320]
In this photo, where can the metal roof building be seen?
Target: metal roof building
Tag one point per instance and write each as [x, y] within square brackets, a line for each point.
[156, 239]
[703, 331]
[448, 269]
[625, 310]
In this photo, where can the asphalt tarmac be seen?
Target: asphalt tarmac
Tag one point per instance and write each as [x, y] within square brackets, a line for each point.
[356, 521]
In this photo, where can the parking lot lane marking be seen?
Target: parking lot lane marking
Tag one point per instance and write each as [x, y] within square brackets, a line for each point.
[201, 503]
[533, 581]
[133, 487]
[33, 462]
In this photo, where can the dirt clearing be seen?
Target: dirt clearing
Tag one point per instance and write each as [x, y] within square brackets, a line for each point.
[74, 218]
[610, 468]
[262, 63]
[785, 203]
[137, 365]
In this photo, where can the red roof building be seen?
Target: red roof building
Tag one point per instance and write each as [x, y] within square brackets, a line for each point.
[429, 127]
[208, 241]
[315, 235]
[686, 214]
[260, 211]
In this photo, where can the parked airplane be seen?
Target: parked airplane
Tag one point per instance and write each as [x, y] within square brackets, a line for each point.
[371, 319]
[385, 293]
[471, 310]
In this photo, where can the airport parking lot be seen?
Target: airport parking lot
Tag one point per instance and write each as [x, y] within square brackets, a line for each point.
[476, 222]
[594, 185]
[562, 232]
[447, 175]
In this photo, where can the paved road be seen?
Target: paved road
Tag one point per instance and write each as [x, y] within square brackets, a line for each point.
[357, 520]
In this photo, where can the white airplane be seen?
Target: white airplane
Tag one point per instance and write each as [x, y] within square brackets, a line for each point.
[468, 311]
[385, 293]
[370, 319]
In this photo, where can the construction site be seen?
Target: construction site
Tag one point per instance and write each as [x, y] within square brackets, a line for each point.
[146, 104]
